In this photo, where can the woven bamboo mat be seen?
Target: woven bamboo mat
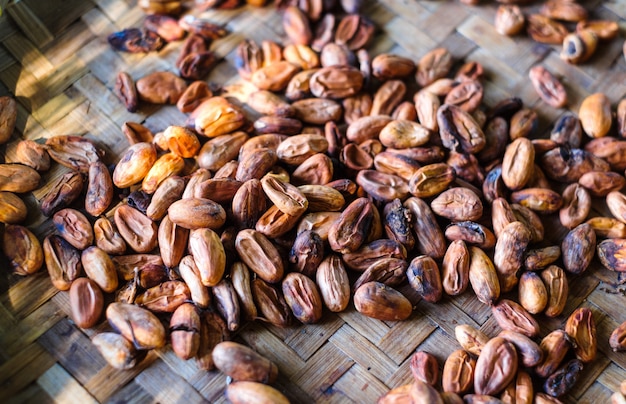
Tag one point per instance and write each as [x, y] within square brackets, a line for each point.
[55, 59]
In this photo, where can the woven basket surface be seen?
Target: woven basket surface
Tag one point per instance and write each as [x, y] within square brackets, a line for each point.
[62, 71]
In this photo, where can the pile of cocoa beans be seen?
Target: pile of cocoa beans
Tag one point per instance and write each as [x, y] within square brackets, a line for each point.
[327, 176]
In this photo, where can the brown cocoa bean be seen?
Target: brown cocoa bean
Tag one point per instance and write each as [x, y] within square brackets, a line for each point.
[579, 46]
[493, 186]
[472, 233]
[424, 367]
[617, 340]
[401, 134]
[568, 165]
[455, 268]
[397, 222]
[247, 392]
[541, 200]
[30, 153]
[603, 29]
[483, 276]
[161, 88]
[181, 141]
[389, 162]
[376, 300]
[319, 222]
[126, 91]
[166, 166]
[366, 127]
[99, 189]
[268, 103]
[595, 115]
[610, 149]
[530, 219]
[22, 249]
[285, 196]
[513, 317]
[137, 325]
[542, 29]
[126, 264]
[297, 26]
[216, 116]
[576, 206]
[332, 281]
[271, 303]
[609, 253]
[390, 271]
[517, 165]
[296, 149]
[564, 12]
[248, 59]
[581, 327]
[86, 302]
[458, 372]
[554, 347]
[138, 230]
[240, 277]
[424, 277]
[546, 85]
[533, 295]
[429, 237]
[307, 253]
[8, 117]
[62, 261]
[496, 366]
[471, 339]
[458, 204]
[348, 232]
[185, 329]
[260, 255]
[563, 379]
[165, 297]
[387, 97]
[355, 31]
[467, 95]
[134, 164]
[215, 153]
[135, 40]
[227, 303]
[388, 66]
[530, 354]
[578, 248]
[302, 296]
[116, 350]
[540, 258]
[509, 20]
[601, 183]
[74, 152]
[195, 94]
[18, 178]
[336, 82]
[432, 66]
[191, 275]
[209, 255]
[74, 227]
[607, 227]
[567, 131]
[195, 213]
[100, 268]
[509, 252]
[274, 77]
[556, 285]
[458, 130]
